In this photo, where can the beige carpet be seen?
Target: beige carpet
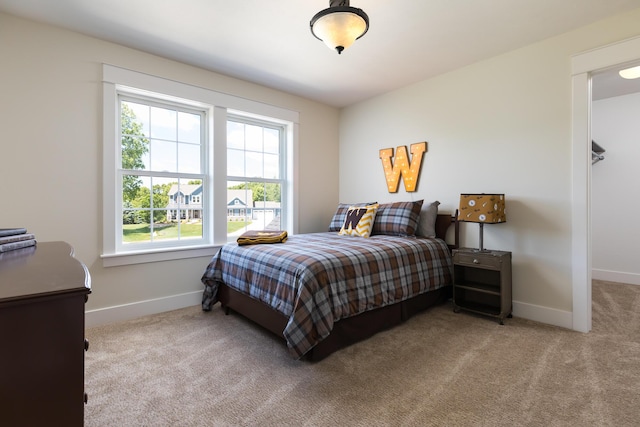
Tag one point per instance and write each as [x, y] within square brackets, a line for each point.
[190, 368]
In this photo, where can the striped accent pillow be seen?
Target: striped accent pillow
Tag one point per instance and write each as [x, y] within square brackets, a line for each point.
[398, 218]
[341, 213]
[359, 221]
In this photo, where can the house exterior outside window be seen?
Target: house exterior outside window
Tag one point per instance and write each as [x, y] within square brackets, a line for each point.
[187, 200]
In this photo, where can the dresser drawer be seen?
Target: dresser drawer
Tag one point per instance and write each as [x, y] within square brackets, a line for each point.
[477, 260]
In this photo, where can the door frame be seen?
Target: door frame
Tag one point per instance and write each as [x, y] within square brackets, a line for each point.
[582, 67]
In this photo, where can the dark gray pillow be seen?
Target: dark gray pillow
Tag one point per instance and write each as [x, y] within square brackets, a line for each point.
[427, 220]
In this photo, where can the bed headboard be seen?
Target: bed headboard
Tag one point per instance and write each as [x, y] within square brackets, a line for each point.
[443, 222]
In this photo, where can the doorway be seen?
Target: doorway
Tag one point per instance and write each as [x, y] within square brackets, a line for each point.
[583, 66]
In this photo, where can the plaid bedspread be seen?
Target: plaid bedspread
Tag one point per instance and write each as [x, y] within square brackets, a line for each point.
[317, 279]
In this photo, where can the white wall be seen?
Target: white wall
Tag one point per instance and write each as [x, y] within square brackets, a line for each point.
[615, 189]
[51, 156]
[500, 125]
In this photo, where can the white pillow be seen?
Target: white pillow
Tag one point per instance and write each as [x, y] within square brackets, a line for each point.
[427, 220]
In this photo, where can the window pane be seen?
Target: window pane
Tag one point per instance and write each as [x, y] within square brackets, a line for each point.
[189, 127]
[188, 158]
[235, 162]
[253, 138]
[163, 156]
[139, 114]
[134, 232]
[271, 166]
[271, 141]
[162, 209]
[239, 207]
[163, 123]
[266, 206]
[134, 141]
[254, 164]
[252, 205]
[182, 216]
[235, 135]
[136, 198]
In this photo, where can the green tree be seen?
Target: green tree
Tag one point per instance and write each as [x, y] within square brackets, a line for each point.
[160, 200]
[273, 192]
[143, 201]
[269, 192]
[134, 146]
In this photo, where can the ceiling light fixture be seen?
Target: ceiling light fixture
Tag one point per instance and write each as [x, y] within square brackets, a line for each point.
[630, 73]
[339, 25]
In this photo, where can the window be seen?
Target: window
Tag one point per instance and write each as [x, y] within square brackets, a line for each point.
[255, 176]
[162, 148]
[187, 169]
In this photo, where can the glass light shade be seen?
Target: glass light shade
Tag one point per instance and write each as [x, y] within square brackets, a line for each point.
[630, 73]
[339, 29]
[339, 25]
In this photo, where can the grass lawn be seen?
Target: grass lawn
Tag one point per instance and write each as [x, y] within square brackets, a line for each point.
[235, 226]
[141, 232]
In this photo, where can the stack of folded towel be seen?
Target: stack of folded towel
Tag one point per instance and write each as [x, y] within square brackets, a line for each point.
[15, 238]
[262, 236]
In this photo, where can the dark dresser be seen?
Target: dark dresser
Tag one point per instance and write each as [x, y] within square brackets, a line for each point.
[43, 290]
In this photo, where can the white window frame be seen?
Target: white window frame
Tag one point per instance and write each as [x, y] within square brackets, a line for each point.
[204, 175]
[282, 147]
[116, 80]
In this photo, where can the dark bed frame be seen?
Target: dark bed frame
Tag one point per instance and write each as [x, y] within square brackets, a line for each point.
[352, 329]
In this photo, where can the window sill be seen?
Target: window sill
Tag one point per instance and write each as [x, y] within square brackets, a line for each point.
[168, 254]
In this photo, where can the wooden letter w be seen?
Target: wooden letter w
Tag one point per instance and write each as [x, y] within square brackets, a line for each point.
[409, 171]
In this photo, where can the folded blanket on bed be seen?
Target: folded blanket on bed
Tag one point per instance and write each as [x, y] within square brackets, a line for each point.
[262, 236]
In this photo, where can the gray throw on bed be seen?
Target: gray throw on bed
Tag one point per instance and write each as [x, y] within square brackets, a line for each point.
[317, 279]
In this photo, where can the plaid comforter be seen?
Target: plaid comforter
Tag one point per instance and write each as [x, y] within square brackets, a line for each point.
[317, 279]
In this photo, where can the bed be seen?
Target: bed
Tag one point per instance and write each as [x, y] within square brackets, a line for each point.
[321, 292]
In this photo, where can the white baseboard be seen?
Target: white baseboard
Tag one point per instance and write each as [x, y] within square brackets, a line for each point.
[616, 276]
[538, 313]
[119, 313]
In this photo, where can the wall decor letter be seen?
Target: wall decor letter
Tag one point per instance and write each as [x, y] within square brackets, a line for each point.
[402, 167]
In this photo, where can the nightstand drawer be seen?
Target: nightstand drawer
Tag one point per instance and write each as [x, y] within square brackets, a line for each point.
[479, 260]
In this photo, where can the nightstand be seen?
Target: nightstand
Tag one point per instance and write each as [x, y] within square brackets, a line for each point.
[482, 282]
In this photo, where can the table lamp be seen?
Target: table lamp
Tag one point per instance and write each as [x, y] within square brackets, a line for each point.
[483, 209]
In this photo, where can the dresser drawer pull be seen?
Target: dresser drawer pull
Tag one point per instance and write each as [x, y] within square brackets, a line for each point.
[475, 261]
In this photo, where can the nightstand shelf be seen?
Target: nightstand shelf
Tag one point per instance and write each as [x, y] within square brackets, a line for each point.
[479, 287]
[482, 282]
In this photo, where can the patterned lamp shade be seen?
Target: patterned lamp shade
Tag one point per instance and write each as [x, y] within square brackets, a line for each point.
[483, 208]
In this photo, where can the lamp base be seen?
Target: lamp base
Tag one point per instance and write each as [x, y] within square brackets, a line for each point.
[482, 249]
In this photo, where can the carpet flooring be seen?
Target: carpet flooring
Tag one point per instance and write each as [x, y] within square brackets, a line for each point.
[191, 368]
